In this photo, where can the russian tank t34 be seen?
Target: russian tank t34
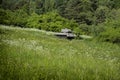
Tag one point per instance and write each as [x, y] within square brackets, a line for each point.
[66, 33]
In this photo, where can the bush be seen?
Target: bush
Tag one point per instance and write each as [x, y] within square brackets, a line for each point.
[85, 29]
[112, 32]
[33, 21]
[78, 32]
[18, 18]
[3, 16]
[54, 22]
[111, 35]
[95, 30]
[50, 21]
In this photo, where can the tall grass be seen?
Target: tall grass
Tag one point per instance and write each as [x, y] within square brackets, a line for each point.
[34, 55]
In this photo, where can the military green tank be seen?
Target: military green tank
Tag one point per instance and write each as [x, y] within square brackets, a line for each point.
[66, 33]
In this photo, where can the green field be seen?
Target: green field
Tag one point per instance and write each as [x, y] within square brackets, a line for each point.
[30, 54]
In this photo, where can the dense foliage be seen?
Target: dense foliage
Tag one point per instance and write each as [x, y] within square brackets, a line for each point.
[51, 21]
[89, 17]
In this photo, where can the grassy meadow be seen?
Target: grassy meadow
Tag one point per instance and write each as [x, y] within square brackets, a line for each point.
[31, 54]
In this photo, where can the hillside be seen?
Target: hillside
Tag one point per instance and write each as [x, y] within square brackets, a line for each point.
[31, 54]
[96, 18]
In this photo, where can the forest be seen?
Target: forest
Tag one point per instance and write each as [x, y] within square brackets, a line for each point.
[98, 18]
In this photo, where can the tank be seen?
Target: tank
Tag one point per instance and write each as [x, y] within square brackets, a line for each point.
[66, 33]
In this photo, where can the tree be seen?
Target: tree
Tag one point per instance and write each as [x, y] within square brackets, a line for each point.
[116, 4]
[94, 5]
[101, 14]
[1, 2]
[49, 5]
[79, 10]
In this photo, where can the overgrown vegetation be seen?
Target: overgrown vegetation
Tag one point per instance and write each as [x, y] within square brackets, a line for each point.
[89, 17]
[31, 54]
[51, 21]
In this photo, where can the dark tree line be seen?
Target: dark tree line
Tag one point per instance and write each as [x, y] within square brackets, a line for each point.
[82, 11]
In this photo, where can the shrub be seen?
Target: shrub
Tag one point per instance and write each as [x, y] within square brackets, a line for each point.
[95, 30]
[85, 29]
[111, 35]
[112, 32]
[50, 21]
[20, 18]
[17, 18]
[54, 22]
[3, 16]
[78, 32]
[33, 21]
